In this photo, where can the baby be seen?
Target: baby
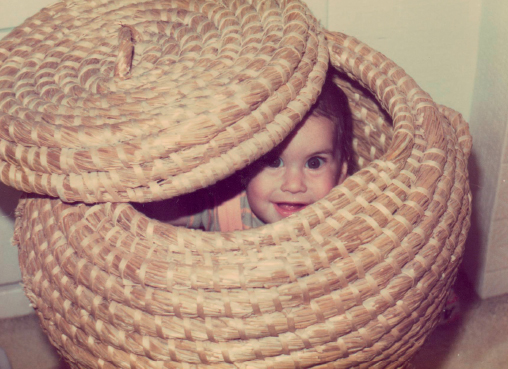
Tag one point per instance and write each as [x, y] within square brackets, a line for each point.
[313, 159]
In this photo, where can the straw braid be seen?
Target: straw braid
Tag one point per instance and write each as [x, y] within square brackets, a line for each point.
[355, 280]
[139, 101]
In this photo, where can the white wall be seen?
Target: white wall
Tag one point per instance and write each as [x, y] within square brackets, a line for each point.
[487, 258]
[435, 41]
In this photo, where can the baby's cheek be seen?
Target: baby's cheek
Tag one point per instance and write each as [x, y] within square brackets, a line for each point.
[257, 190]
[257, 198]
[325, 185]
[257, 184]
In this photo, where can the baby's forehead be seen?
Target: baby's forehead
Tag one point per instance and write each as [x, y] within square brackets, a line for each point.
[315, 117]
[314, 128]
[322, 123]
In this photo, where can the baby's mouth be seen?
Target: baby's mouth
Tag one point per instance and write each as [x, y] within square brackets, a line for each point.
[286, 209]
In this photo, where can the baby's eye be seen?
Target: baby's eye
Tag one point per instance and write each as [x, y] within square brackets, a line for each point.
[315, 162]
[275, 162]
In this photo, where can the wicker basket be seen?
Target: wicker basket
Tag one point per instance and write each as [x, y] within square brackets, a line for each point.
[109, 102]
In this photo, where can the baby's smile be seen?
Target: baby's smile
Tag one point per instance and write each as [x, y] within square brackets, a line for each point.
[285, 209]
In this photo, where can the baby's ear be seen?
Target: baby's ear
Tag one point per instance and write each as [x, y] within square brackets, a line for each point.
[343, 173]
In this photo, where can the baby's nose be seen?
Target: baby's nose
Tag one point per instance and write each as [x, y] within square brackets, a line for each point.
[294, 181]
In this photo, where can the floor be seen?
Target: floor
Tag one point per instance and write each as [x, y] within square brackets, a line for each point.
[477, 339]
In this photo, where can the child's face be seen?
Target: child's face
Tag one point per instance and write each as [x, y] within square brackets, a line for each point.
[300, 171]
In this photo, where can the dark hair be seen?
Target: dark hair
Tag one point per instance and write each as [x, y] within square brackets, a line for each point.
[333, 104]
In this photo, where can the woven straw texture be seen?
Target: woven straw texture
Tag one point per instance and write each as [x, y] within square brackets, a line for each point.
[356, 280]
[139, 101]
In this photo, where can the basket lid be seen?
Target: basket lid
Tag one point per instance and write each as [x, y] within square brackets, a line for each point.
[122, 101]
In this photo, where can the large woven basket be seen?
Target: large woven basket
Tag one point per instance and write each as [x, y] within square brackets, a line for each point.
[109, 102]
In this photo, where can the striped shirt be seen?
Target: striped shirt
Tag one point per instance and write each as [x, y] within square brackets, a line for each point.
[233, 214]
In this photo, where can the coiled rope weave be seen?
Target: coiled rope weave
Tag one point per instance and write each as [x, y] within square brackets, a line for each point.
[190, 92]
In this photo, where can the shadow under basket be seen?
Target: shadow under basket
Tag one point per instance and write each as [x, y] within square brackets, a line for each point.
[355, 280]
